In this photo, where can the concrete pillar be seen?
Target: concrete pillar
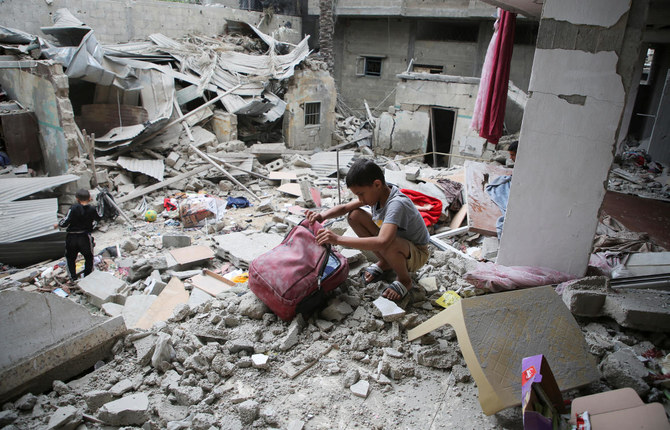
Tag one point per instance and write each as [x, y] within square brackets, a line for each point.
[582, 71]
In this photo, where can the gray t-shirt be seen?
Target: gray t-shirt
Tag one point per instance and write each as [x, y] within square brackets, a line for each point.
[400, 210]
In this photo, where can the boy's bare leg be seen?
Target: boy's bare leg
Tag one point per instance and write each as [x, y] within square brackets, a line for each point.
[396, 257]
[361, 223]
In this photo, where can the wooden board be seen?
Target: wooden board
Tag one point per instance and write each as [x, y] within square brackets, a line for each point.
[482, 211]
[161, 309]
[292, 189]
[457, 220]
[211, 283]
[191, 254]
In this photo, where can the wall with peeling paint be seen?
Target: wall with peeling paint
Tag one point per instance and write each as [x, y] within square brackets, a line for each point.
[116, 21]
[568, 136]
[43, 89]
[308, 86]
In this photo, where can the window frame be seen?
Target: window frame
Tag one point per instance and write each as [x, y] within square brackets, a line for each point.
[308, 116]
[362, 65]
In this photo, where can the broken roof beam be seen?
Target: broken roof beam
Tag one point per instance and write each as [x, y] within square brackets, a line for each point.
[139, 193]
[224, 171]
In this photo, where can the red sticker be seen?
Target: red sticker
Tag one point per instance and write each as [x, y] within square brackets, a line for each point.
[527, 374]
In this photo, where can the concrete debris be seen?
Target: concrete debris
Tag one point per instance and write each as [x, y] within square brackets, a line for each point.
[131, 410]
[641, 309]
[389, 310]
[199, 350]
[65, 418]
[361, 389]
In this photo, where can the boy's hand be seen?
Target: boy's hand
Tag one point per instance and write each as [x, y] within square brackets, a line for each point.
[313, 216]
[56, 225]
[324, 237]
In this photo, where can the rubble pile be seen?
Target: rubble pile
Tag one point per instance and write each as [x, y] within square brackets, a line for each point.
[225, 360]
[635, 173]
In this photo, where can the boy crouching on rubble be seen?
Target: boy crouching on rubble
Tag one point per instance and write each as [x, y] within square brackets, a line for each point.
[80, 221]
[395, 231]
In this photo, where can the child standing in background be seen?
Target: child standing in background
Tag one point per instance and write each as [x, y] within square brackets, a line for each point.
[80, 220]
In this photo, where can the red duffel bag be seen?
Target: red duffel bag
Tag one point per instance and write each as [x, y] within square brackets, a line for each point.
[295, 276]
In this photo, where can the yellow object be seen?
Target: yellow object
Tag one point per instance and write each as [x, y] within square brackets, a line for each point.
[150, 215]
[79, 266]
[447, 299]
[241, 278]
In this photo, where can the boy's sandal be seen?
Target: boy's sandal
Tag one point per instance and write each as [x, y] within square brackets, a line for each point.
[397, 287]
[373, 270]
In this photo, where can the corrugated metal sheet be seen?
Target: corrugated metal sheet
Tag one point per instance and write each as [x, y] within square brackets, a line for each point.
[153, 168]
[22, 254]
[27, 219]
[14, 188]
[325, 163]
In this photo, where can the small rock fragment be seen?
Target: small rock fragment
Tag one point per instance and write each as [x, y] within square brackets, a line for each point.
[361, 389]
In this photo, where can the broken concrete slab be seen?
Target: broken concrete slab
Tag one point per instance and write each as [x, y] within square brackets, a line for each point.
[135, 307]
[161, 309]
[176, 241]
[65, 418]
[198, 297]
[429, 284]
[101, 287]
[189, 256]
[45, 337]
[647, 310]
[131, 410]
[484, 326]
[389, 309]
[241, 248]
[260, 361]
[623, 369]
[361, 389]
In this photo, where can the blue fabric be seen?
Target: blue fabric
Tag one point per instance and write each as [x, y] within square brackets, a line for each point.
[238, 202]
[498, 190]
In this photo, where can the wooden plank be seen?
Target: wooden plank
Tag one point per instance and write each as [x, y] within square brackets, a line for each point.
[459, 217]
[211, 285]
[161, 309]
[482, 211]
[291, 189]
[139, 193]
[192, 254]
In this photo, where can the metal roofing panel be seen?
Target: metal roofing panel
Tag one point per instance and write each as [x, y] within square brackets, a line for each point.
[27, 219]
[153, 168]
[13, 188]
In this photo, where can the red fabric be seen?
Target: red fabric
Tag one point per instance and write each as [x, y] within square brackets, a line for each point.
[430, 216]
[496, 95]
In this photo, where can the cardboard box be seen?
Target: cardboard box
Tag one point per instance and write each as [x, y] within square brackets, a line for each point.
[620, 409]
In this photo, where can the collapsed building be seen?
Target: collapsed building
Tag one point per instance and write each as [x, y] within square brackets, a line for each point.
[166, 334]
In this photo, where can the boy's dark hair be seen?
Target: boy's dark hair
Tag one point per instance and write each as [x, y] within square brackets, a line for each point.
[513, 146]
[363, 173]
[83, 195]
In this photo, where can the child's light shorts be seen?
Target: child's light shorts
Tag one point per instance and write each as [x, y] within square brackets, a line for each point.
[418, 255]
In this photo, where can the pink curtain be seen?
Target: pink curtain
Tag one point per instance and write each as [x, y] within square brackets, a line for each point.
[489, 111]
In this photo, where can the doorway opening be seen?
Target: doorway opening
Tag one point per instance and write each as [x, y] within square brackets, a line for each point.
[440, 136]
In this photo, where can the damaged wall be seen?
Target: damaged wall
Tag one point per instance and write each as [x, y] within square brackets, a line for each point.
[310, 86]
[44, 90]
[417, 95]
[457, 46]
[577, 94]
[118, 21]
